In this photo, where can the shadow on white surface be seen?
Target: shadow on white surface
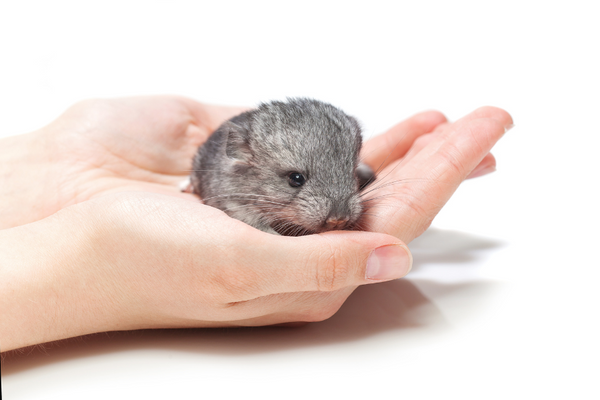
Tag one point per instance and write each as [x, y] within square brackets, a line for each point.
[449, 247]
[399, 307]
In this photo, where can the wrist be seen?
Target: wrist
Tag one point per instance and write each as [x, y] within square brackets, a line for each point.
[48, 284]
[25, 167]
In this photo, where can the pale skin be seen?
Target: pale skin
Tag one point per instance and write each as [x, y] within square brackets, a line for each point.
[96, 236]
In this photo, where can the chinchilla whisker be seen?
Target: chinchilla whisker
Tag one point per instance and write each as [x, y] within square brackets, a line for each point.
[380, 167]
[285, 226]
[393, 206]
[237, 194]
[257, 201]
[263, 205]
[205, 170]
[199, 170]
[373, 215]
[382, 196]
[360, 225]
[377, 196]
[363, 154]
[384, 161]
[248, 199]
[300, 231]
[396, 182]
[381, 186]
[247, 196]
[267, 207]
[291, 228]
[363, 224]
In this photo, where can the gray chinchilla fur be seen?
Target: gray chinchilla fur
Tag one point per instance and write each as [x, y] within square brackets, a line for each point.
[286, 167]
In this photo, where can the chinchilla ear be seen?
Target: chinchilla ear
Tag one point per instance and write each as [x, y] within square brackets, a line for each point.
[365, 175]
[238, 141]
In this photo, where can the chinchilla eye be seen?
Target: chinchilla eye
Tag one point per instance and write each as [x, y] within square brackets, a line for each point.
[296, 179]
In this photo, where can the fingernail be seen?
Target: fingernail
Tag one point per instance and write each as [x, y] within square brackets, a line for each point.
[508, 127]
[480, 171]
[388, 262]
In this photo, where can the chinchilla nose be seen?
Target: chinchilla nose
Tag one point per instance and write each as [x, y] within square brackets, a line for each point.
[334, 222]
[338, 216]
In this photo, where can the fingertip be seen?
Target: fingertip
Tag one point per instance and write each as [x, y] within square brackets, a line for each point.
[432, 117]
[396, 141]
[495, 113]
[494, 127]
[424, 122]
[214, 114]
[388, 262]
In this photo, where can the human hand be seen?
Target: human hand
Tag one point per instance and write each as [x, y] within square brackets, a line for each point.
[421, 162]
[146, 145]
[103, 146]
[137, 260]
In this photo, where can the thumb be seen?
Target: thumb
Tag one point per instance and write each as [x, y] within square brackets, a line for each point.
[328, 262]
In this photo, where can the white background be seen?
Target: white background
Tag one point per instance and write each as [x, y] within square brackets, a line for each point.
[503, 300]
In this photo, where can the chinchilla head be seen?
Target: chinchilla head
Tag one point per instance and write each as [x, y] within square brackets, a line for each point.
[296, 161]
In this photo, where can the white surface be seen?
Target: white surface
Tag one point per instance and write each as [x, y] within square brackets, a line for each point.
[503, 299]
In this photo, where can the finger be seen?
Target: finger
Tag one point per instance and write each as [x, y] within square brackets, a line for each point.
[490, 112]
[461, 146]
[441, 127]
[417, 188]
[483, 112]
[381, 150]
[212, 116]
[486, 166]
[198, 123]
[325, 262]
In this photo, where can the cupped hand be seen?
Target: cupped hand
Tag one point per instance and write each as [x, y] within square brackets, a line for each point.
[136, 260]
[104, 146]
[181, 263]
[106, 175]
[147, 144]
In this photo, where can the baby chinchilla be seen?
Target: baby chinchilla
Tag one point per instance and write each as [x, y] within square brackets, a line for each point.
[286, 167]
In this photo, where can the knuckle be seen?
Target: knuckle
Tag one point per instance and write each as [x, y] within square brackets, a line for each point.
[331, 270]
[422, 141]
[413, 213]
[452, 157]
[414, 204]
